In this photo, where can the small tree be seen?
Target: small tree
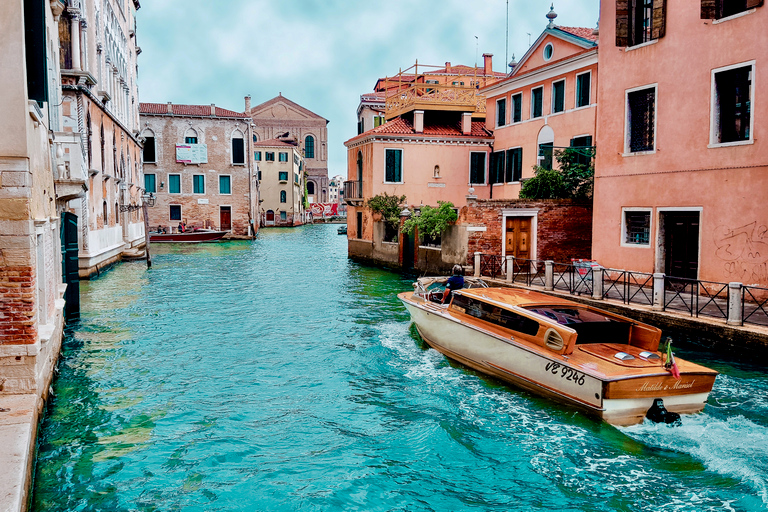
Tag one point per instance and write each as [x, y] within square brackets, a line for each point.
[389, 208]
[431, 222]
[572, 180]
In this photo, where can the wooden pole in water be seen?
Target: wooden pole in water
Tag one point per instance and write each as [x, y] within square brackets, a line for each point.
[145, 212]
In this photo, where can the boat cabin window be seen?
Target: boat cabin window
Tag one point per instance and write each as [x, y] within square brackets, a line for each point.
[495, 315]
[591, 326]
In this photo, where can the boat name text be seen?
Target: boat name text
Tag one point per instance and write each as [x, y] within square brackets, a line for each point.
[658, 386]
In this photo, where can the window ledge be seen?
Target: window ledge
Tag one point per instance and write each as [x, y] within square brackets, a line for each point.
[641, 45]
[153, 163]
[240, 164]
[730, 144]
[636, 246]
[393, 182]
[557, 113]
[733, 16]
[639, 153]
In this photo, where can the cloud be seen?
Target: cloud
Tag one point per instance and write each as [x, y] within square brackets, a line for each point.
[323, 54]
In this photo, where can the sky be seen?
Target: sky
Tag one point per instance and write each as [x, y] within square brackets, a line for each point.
[323, 54]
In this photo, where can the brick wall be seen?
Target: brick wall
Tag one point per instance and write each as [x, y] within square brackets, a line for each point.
[17, 305]
[564, 229]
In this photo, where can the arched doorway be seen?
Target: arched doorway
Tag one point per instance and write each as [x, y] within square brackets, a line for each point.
[270, 220]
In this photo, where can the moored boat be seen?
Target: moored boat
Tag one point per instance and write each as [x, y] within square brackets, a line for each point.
[195, 236]
[604, 364]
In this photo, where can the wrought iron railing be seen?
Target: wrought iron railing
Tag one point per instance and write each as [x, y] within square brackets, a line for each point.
[492, 265]
[754, 305]
[628, 287]
[573, 278]
[698, 298]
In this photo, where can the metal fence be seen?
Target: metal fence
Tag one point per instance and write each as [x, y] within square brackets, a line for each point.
[698, 298]
[628, 287]
[754, 303]
[527, 272]
[492, 265]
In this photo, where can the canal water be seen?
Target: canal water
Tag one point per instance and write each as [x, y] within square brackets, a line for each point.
[277, 375]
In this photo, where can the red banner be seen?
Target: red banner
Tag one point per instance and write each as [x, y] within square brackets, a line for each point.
[324, 209]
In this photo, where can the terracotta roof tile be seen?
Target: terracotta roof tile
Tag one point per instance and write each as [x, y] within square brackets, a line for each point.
[188, 110]
[400, 126]
[582, 32]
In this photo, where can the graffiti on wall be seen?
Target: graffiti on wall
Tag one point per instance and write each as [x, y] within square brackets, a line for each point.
[325, 209]
[744, 252]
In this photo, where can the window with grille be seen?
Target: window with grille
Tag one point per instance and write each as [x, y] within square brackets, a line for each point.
[174, 183]
[732, 105]
[394, 166]
[309, 147]
[716, 9]
[641, 111]
[583, 89]
[501, 112]
[558, 96]
[477, 167]
[637, 227]
[640, 21]
[537, 96]
[517, 108]
[514, 165]
[198, 184]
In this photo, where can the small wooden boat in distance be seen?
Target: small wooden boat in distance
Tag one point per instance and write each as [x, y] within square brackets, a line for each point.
[187, 237]
[604, 364]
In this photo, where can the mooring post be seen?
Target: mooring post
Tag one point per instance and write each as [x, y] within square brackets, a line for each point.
[658, 291]
[549, 275]
[735, 304]
[597, 283]
[510, 268]
[477, 263]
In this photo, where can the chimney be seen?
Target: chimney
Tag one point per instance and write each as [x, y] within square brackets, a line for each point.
[248, 104]
[213, 109]
[418, 121]
[466, 123]
[170, 107]
[487, 66]
[447, 67]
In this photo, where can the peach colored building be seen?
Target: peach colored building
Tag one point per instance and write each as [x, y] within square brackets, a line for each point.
[281, 180]
[680, 166]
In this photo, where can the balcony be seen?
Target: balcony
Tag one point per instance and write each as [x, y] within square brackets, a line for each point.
[353, 193]
[70, 173]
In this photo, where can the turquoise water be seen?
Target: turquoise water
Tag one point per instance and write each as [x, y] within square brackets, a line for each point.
[277, 375]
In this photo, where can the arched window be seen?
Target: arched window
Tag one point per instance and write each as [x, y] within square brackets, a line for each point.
[148, 154]
[105, 214]
[360, 173]
[310, 187]
[255, 138]
[238, 148]
[282, 196]
[309, 147]
[117, 214]
[190, 136]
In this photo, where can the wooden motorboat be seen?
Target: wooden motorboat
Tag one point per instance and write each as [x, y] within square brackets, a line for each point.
[196, 236]
[607, 365]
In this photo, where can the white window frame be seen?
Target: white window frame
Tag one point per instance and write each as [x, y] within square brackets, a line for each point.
[506, 164]
[512, 110]
[576, 91]
[623, 241]
[506, 104]
[193, 185]
[552, 107]
[485, 169]
[530, 116]
[230, 185]
[713, 118]
[402, 166]
[181, 212]
[655, 87]
[181, 185]
[544, 52]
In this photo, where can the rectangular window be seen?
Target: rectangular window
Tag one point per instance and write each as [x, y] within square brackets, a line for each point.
[283, 156]
[583, 96]
[498, 159]
[258, 175]
[238, 151]
[225, 185]
[283, 216]
[257, 156]
[190, 140]
[378, 121]
[732, 105]
[514, 165]
[174, 183]
[517, 108]
[283, 175]
[640, 21]
[175, 212]
[558, 96]
[545, 155]
[150, 185]
[641, 111]
[198, 184]
[583, 147]
[394, 166]
[148, 153]
[296, 178]
[360, 126]
[501, 112]
[269, 156]
[537, 98]
[477, 168]
[637, 227]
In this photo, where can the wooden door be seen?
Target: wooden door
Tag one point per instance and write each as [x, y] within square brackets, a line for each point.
[681, 244]
[225, 218]
[518, 237]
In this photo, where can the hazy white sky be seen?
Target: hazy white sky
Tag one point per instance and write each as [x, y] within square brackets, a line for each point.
[323, 54]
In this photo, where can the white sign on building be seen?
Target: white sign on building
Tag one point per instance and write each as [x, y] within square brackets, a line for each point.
[192, 153]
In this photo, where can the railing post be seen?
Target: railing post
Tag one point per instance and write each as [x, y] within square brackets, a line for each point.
[735, 304]
[477, 263]
[597, 283]
[549, 275]
[510, 269]
[658, 291]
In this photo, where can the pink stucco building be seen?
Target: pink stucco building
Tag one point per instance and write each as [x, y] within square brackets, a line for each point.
[680, 166]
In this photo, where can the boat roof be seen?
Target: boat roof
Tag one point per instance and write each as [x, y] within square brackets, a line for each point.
[517, 297]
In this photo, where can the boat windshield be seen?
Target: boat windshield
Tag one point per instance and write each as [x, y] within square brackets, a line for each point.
[568, 316]
[591, 326]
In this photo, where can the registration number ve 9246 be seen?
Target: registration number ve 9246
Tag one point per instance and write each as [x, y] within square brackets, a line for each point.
[565, 372]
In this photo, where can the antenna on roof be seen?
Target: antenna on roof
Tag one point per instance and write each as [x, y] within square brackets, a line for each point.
[529, 39]
[476, 46]
[506, 48]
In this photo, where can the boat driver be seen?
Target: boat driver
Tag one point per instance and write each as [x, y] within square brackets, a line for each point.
[455, 282]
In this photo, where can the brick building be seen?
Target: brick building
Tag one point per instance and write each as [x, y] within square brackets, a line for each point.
[282, 118]
[197, 162]
[281, 182]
